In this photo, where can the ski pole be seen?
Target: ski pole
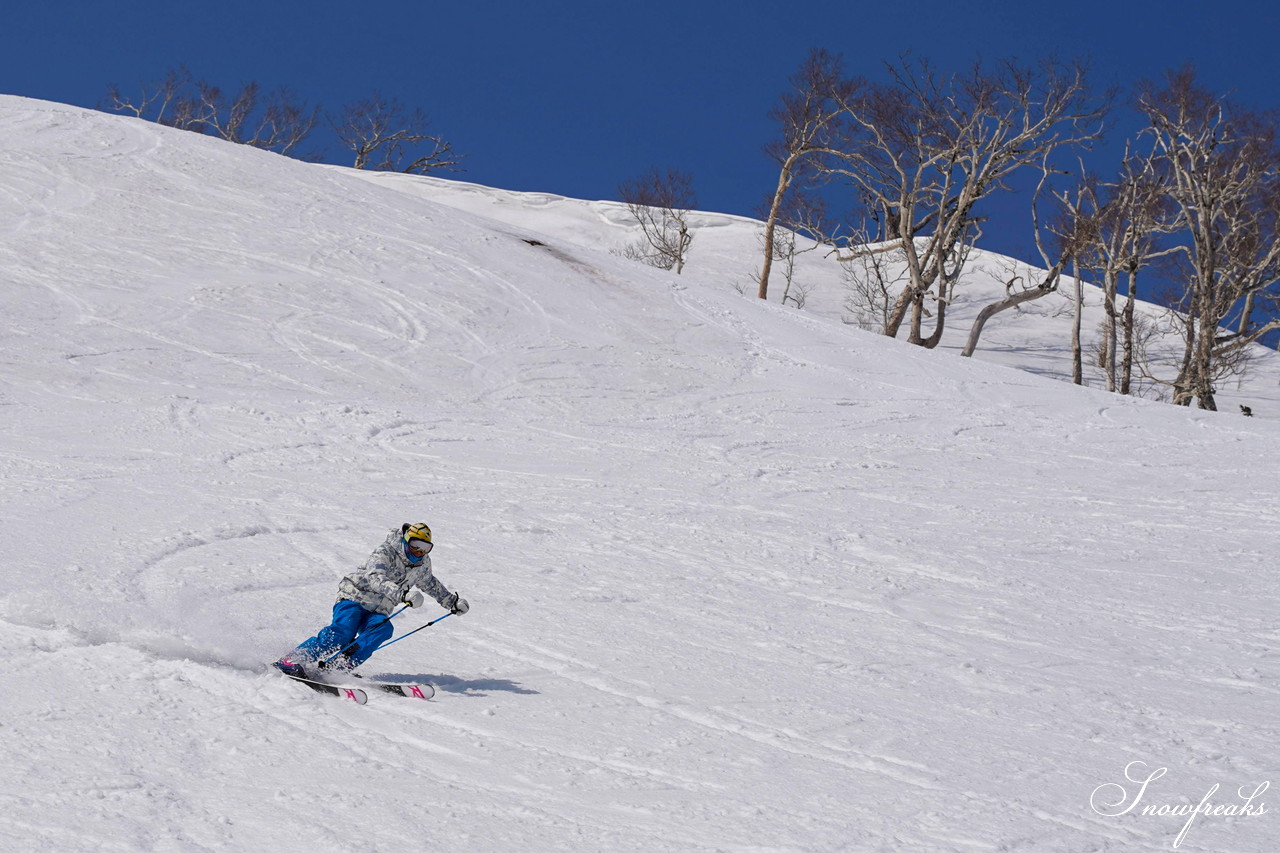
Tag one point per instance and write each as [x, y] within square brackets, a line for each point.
[411, 633]
[353, 643]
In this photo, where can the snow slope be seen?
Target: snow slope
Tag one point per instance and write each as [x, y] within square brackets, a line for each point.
[1034, 337]
[742, 577]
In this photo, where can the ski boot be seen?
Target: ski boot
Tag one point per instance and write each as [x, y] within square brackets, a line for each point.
[290, 665]
[341, 665]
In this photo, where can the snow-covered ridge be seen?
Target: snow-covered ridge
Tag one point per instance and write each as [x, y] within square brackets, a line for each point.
[742, 577]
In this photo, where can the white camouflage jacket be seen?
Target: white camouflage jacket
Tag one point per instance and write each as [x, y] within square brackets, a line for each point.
[380, 584]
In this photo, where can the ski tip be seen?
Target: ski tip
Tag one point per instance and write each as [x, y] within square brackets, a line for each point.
[419, 691]
[410, 691]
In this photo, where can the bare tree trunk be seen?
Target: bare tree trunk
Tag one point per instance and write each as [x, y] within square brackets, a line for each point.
[1077, 353]
[1126, 365]
[1246, 312]
[898, 312]
[1202, 367]
[771, 224]
[1183, 386]
[945, 290]
[1049, 285]
[685, 239]
[917, 319]
[1108, 355]
[940, 323]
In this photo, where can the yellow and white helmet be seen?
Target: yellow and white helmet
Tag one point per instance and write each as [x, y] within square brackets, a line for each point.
[417, 542]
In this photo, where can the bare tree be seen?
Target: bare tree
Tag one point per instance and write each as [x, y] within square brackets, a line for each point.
[660, 202]
[873, 281]
[157, 101]
[1221, 164]
[285, 122]
[806, 116]
[1124, 220]
[385, 137]
[278, 122]
[924, 149]
[1146, 331]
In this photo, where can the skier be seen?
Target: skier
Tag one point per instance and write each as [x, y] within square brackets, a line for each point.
[367, 596]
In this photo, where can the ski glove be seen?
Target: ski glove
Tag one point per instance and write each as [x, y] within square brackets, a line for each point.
[455, 604]
[413, 598]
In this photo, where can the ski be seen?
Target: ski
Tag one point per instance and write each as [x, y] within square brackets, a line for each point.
[410, 691]
[354, 694]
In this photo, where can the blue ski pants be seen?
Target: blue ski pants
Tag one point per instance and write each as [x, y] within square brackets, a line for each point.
[350, 621]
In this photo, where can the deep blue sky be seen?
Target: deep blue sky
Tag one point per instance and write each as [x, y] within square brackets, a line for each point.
[574, 97]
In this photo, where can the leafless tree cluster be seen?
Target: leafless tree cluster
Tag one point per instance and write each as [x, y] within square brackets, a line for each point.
[1117, 226]
[660, 202]
[1218, 167]
[277, 121]
[920, 152]
[381, 134]
[1196, 201]
[1194, 205]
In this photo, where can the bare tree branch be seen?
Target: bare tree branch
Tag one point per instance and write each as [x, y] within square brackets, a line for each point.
[384, 137]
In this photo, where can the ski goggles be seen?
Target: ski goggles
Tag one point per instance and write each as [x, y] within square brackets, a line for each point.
[419, 548]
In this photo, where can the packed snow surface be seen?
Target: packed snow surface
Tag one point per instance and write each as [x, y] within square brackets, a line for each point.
[743, 577]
